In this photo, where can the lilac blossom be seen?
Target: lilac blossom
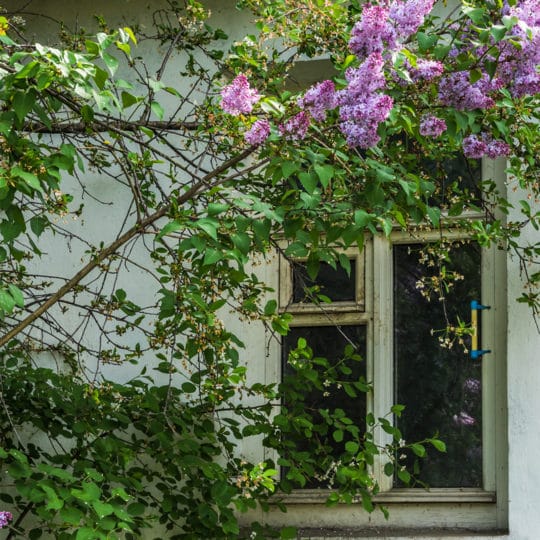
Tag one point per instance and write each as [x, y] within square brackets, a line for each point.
[238, 97]
[476, 147]
[5, 518]
[363, 135]
[518, 63]
[432, 126]
[361, 104]
[258, 133]
[296, 127]
[319, 99]
[456, 90]
[463, 419]
[472, 385]
[526, 11]
[409, 15]
[497, 148]
[426, 70]
[381, 27]
[373, 32]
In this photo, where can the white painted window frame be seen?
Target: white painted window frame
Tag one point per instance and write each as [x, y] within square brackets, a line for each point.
[484, 508]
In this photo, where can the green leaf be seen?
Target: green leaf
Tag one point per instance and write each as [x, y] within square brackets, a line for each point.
[90, 492]
[71, 515]
[404, 476]
[361, 218]
[498, 32]
[16, 294]
[212, 256]
[111, 62]
[270, 308]
[38, 224]
[418, 449]
[209, 226]
[188, 388]
[124, 47]
[214, 209]
[157, 109]
[169, 228]
[434, 215]
[352, 447]
[242, 241]
[7, 303]
[53, 502]
[288, 533]
[289, 167]
[128, 99]
[31, 179]
[130, 34]
[475, 14]
[102, 509]
[86, 533]
[23, 103]
[426, 41]
[438, 444]
[325, 173]
[309, 181]
[136, 509]
[121, 493]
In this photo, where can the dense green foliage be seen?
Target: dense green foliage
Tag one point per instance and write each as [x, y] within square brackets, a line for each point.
[86, 457]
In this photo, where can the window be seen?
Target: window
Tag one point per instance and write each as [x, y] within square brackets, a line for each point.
[385, 309]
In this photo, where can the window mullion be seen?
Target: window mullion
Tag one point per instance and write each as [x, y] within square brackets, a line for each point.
[383, 392]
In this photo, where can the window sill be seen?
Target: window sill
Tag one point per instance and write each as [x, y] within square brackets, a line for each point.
[399, 534]
[435, 495]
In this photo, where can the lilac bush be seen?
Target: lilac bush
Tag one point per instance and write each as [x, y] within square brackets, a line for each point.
[365, 101]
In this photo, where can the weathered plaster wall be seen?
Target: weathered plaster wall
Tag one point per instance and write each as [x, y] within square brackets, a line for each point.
[523, 405]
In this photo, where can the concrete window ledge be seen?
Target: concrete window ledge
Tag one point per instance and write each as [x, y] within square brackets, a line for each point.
[400, 534]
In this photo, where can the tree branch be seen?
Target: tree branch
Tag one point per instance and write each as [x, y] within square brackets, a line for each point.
[138, 228]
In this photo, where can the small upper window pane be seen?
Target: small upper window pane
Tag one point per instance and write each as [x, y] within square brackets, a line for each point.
[336, 284]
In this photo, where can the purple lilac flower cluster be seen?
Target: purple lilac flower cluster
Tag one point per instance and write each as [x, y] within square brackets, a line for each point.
[517, 58]
[407, 16]
[432, 126]
[296, 127]
[372, 33]
[5, 518]
[362, 106]
[238, 97]
[426, 70]
[258, 132]
[456, 90]
[517, 65]
[472, 385]
[319, 99]
[383, 27]
[476, 147]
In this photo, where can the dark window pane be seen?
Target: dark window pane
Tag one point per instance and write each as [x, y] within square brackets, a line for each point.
[327, 342]
[449, 174]
[335, 284]
[439, 385]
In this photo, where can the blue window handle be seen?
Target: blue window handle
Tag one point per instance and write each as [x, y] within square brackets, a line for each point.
[475, 351]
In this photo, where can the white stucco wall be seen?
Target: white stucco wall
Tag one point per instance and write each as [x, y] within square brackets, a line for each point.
[523, 404]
